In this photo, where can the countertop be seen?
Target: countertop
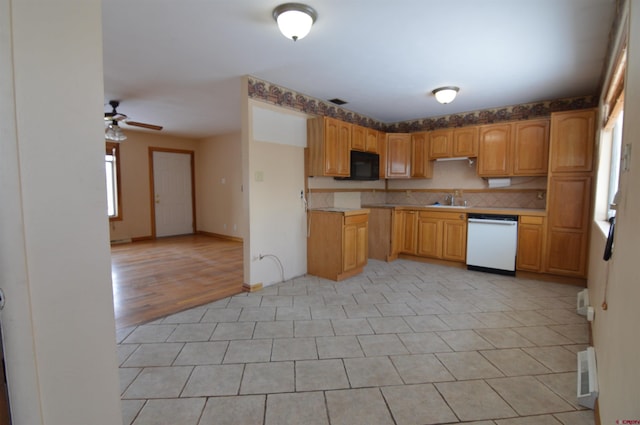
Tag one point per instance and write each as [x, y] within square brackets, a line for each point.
[470, 209]
[344, 211]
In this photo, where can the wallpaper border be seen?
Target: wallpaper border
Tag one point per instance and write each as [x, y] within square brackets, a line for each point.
[287, 98]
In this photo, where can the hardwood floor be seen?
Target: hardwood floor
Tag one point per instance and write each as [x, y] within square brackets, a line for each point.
[156, 278]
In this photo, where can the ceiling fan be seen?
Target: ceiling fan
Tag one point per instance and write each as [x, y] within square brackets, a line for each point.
[113, 131]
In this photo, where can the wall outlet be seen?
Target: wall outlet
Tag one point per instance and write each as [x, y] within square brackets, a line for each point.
[224, 226]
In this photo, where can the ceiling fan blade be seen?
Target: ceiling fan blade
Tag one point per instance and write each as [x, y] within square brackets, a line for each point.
[110, 116]
[144, 125]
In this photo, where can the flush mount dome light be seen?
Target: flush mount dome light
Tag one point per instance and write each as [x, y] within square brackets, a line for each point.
[294, 19]
[446, 94]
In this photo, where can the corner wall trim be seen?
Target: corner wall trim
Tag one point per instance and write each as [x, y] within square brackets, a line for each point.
[246, 287]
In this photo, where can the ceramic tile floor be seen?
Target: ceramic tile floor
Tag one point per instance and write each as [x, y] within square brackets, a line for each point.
[404, 343]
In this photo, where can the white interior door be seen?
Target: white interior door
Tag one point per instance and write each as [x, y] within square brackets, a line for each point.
[172, 193]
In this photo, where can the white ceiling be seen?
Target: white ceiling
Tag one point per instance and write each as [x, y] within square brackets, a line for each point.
[179, 63]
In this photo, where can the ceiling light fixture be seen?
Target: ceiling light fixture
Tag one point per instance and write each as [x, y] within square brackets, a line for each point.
[446, 94]
[294, 19]
[114, 132]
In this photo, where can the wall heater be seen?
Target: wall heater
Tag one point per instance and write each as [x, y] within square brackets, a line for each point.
[583, 302]
[587, 378]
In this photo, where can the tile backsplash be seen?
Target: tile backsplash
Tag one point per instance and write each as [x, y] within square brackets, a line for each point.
[502, 199]
[489, 199]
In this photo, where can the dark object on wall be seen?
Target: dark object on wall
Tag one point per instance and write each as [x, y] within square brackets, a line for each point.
[608, 248]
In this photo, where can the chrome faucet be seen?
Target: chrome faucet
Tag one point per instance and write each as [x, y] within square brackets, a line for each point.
[450, 198]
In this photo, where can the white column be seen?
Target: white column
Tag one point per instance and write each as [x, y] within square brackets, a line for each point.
[58, 322]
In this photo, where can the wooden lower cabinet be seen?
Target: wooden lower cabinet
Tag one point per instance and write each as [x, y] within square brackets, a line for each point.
[530, 243]
[380, 232]
[337, 244]
[454, 238]
[354, 242]
[565, 252]
[440, 235]
[429, 236]
[404, 232]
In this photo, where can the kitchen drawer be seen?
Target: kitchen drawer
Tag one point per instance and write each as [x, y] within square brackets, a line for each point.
[527, 219]
[356, 219]
[443, 215]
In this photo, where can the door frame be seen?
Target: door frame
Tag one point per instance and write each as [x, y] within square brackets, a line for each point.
[152, 201]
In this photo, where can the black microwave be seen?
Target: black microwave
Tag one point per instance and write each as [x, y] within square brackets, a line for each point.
[364, 166]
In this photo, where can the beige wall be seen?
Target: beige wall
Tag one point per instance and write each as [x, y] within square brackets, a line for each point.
[58, 324]
[274, 178]
[135, 181]
[219, 186]
[615, 330]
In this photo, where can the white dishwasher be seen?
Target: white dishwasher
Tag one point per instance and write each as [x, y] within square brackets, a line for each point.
[492, 241]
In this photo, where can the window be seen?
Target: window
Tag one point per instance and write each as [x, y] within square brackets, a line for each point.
[112, 172]
[614, 170]
[611, 142]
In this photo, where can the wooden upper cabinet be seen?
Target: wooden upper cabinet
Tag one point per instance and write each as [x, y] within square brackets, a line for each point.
[329, 142]
[358, 138]
[440, 143]
[531, 148]
[465, 142]
[514, 149]
[572, 140]
[453, 143]
[382, 151]
[337, 143]
[421, 166]
[494, 150]
[371, 141]
[364, 139]
[398, 155]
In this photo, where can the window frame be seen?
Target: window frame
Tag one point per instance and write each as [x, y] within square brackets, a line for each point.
[611, 133]
[112, 148]
[615, 152]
